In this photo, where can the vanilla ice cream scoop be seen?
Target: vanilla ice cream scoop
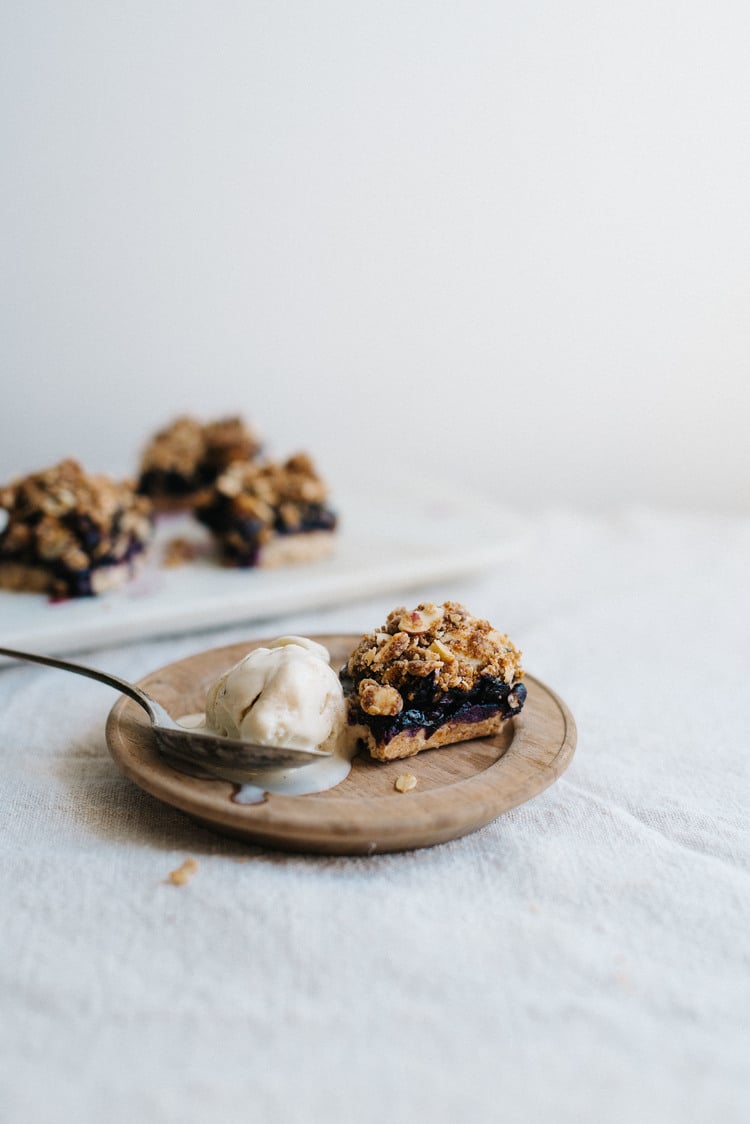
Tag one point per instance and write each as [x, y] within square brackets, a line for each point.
[285, 695]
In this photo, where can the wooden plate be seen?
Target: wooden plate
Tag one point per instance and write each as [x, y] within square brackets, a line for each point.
[460, 788]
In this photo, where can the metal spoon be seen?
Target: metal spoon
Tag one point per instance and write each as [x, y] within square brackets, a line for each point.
[200, 749]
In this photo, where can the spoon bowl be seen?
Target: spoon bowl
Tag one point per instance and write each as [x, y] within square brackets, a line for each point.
[199, 749]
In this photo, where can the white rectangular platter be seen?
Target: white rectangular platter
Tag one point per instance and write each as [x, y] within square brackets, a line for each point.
[430, 540]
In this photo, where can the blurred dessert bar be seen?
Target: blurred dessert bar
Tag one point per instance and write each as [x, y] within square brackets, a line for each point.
[71, 534]
[265, 513]
[188, 455]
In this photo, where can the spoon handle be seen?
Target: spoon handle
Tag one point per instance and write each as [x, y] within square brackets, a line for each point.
[152, 708]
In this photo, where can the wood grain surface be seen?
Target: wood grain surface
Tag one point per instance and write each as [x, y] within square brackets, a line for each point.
[459, 788]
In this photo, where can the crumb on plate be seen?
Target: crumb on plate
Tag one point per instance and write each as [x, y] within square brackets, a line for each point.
[177, 552]
[406, 782]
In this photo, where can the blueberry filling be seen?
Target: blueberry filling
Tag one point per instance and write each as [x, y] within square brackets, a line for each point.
[167, 482]
[86, 531]
[312, 517]
[427, 708]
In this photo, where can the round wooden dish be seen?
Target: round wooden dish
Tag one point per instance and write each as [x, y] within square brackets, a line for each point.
[459, 788]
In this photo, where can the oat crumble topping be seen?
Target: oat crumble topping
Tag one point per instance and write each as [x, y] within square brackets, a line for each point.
[269, 483]
[187, 446]
[444, 640]
[176, 448]
[229, 439]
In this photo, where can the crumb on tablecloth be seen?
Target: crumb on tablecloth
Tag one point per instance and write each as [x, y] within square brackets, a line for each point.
[183, 873]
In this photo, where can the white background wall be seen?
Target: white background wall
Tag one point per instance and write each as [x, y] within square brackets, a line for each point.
[504, 242]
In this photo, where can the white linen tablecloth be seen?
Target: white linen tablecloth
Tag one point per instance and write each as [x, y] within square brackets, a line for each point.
[584, 957]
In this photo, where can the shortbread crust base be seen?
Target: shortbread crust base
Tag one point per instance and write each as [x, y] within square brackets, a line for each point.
[21, 578]
[284, 550]
[413, 741]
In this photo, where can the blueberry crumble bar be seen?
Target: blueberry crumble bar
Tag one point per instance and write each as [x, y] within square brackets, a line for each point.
[70, 534]
[265, 513]
[187, 455]
[430, 677]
